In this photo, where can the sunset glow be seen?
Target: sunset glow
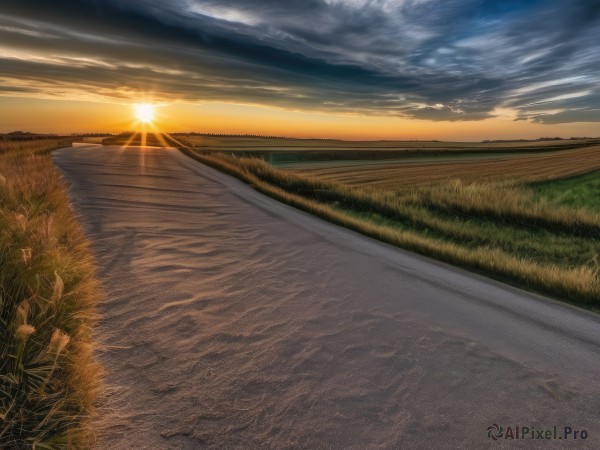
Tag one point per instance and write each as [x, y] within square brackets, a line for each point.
[439, 70]
[144, 113]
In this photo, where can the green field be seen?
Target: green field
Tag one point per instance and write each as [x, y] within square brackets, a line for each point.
[578, 192]
[294, 161]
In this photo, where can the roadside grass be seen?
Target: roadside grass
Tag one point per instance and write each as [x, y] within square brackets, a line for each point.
[36, 147]
[533, 245]
[505, 203]
[48, 378]
[582, 191]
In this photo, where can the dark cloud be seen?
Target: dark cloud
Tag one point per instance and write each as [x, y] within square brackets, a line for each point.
[429, 59]
[569, 116]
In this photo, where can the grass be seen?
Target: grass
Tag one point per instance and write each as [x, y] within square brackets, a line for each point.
[48, 378]
[37, 147]
[582, 191]
[504, 203]
[496, 229]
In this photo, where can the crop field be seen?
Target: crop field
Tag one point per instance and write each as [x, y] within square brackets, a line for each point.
[240, 143]
[298, 153]
[291, 162]
[410, 174]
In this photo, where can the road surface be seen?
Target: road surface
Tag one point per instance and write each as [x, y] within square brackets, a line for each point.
[234, 321]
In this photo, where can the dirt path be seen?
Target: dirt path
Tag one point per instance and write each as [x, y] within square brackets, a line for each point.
[233, 321]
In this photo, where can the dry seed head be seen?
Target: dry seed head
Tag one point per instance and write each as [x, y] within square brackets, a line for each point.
[22, 221]
[24, 331]
[58, 288]
[26, 253]
[49, 219]
[58, 342]
[23, 313]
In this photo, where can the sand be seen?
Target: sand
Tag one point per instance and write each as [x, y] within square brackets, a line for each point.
[233, 321]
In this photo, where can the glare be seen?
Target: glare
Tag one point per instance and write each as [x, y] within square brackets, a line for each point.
[144, 112]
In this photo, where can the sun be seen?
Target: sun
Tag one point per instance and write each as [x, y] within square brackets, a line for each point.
[144, 112]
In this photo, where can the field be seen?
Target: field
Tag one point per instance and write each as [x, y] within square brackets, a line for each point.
[409, 174]
[482, 213]
[300, 153]
[47, 296]
[580, 192]
[258, 143]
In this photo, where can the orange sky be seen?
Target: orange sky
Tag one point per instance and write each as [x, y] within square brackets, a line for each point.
[62, 116]
[328, 68]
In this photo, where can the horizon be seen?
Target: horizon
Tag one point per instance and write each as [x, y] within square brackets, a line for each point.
[261, 136]
[407, 70]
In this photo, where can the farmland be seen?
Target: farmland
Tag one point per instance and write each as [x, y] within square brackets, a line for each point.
[259, 143]
[299, 153]
[409, 174]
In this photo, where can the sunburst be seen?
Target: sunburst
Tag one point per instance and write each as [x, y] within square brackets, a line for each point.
[144, 112]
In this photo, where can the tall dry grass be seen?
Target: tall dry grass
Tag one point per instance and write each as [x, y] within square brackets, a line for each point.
[504, 202]
[578, 283]
[38, 146]
[48, 378]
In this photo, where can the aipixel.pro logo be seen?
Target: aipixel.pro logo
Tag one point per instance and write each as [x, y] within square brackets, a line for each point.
[497, 432]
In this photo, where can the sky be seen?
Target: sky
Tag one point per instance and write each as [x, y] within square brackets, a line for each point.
[359, 69]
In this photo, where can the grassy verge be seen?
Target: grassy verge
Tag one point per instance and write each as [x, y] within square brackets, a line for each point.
[467, 235]
[47, 297]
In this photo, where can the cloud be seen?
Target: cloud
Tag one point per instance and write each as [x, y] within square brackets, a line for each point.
[587, 115]
[427, 59]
